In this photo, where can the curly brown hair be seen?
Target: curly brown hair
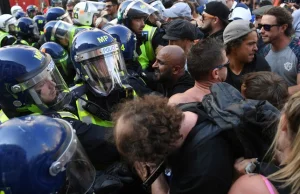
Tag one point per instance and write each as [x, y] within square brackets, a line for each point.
[152, 129]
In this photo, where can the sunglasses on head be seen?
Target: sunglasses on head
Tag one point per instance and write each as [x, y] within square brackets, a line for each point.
[267, 27]
[223, 65]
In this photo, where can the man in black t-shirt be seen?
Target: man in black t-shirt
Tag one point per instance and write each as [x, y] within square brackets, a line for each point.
[240, 39]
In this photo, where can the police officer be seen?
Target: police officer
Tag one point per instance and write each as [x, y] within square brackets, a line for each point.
[42, 155]
[61, 32]
[27, 32]
[127, 41]
[7, 30]
[85, 14]
[31, 83]
[40, 21]
[62, 61]
[31, 10]
[99, 63]
[133, 14]
[58, 13]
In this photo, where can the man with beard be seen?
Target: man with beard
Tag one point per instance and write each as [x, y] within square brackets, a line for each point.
[214, 20]
[240, 39]
[169, 71]
[282, 51]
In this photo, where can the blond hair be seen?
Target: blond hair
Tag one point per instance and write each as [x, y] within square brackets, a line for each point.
[289, 175]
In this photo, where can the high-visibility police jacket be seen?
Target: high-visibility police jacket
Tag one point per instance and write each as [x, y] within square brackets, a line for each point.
[2, 36]
[148, 54]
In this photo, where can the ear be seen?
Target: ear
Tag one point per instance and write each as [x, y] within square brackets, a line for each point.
[176, 69]
[283, 27]
[215, 73]
[283, 126]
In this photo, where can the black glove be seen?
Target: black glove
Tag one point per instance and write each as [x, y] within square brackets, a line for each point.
[107, 184]
[120, 170]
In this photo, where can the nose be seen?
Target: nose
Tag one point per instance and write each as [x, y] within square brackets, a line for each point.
[255, 48]
[155, 64]
[51, 84]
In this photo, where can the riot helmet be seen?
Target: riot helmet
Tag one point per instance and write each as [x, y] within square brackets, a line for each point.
[58, 13]
[20, 14]
[98, 61]
[8, 23]
[40, 21]
[27, 28]
[30, 82]
[84, 13]
[31, 10]
[14, 9]
[40, 154]
[126, 38]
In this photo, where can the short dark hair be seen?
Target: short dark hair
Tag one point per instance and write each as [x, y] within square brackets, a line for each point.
[114, 2]
[264, 85]
[203, 57]
[264, 3]
[282, 17]
[154, 129]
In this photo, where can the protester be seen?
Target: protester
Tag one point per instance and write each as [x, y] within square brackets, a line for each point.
[282, 178]
[180, 10]
[169, 71]
[207, 64]
[240, 39]
[238, 11]
[275, 89]
[214, 19]
[181, 33]
[148, 131]
[282, 51]
[111, 9]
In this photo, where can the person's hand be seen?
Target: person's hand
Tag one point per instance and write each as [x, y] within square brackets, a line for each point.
[240, 165]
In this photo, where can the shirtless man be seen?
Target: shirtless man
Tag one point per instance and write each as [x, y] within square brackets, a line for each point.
[207, 64]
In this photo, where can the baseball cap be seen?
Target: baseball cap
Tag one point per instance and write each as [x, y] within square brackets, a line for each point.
[261, 10]
[178, 10]
[237, 29]
[181, 29]
[240, 12]
[217, 8]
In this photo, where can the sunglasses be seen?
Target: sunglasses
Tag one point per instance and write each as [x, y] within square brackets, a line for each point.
[267, 27]
[205, 15]
[221, 66]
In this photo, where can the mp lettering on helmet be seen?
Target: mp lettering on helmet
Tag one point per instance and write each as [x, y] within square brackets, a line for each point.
[38, 55]
[143, 6]
[122, 47]
[102, 39]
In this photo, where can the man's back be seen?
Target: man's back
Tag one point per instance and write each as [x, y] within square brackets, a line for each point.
[202, 167]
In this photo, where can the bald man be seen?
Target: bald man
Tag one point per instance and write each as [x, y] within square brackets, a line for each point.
[169, 71]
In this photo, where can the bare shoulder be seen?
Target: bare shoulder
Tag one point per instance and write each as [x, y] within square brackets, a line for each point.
[249, 184]
[176, 99]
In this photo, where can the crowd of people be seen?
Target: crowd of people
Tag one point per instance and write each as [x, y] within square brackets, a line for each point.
[150, 96]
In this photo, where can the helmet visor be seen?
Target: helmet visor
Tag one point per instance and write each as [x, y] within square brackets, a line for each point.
[72, 159]
[48, 89]
[60, 33]
[138, 9]
[66, 18]
[104, 69]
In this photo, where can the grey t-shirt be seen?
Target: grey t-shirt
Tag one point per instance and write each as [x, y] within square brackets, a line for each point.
[286, 62]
